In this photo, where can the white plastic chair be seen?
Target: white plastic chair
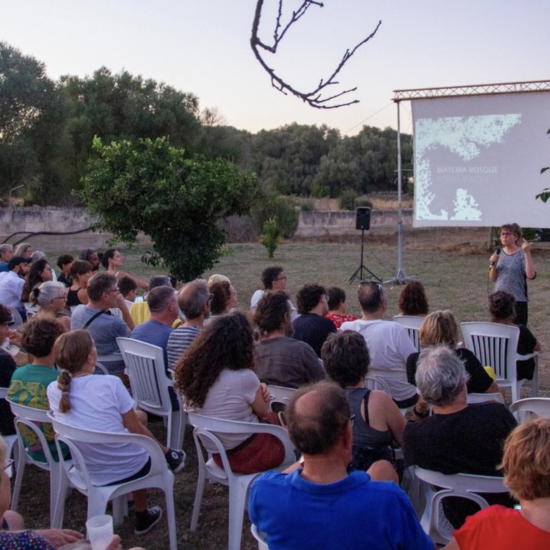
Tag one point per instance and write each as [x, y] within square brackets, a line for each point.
[433, 521]
[279, 395]
[493, 397]
[76, 474]
[10, 440]
[206, 428]
[30, 418]
[539, 406]
[260, 538]
[412, 323]
[495, 345]
[149, 383]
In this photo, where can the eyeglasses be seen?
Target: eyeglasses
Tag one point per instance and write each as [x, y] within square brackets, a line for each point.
[352, 420]
[506, 234]
[8, 467]
[115, 290]
[281, 278]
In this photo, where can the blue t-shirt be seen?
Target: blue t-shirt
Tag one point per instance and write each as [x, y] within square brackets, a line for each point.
[155, 333]
[352, 513]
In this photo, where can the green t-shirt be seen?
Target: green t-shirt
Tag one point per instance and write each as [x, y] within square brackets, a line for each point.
[28, 387]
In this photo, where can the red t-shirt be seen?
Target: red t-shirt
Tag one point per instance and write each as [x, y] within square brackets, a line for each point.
[502, 528]
[338, 319]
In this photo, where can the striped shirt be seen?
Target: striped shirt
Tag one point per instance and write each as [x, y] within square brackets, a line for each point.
[179, 341]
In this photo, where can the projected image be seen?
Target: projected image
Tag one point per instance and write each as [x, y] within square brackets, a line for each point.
[456, 172]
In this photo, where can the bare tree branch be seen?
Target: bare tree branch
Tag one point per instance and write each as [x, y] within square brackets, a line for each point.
[315, 97]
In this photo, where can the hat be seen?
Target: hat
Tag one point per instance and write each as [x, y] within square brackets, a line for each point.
[16, 260]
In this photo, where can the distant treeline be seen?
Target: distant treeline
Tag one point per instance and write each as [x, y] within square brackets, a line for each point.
[47, 128]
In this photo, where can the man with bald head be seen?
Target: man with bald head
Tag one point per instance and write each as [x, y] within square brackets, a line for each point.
[194, 302]
[329, 507]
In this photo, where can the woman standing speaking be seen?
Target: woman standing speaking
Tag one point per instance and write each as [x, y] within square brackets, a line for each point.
[511, 267]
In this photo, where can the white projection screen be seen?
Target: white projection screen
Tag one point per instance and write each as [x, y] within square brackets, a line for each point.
[477, 160]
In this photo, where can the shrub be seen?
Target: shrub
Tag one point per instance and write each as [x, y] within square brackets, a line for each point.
[282, 209]
[272, 236]
[347, 200]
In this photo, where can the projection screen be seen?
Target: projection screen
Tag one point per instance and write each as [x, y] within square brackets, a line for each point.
[477, 160]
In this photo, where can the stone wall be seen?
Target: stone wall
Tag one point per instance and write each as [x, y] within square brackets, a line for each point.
[67, 220]
[342, 222]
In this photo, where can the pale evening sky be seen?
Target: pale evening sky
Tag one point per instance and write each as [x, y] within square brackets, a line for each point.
[202, 47]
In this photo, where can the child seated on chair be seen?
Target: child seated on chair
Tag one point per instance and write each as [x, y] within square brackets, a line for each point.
[102, 403]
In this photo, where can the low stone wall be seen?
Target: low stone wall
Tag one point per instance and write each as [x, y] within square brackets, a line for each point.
[342, 222]
[66, 220]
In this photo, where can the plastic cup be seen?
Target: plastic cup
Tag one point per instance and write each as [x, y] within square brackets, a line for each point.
[100, 531]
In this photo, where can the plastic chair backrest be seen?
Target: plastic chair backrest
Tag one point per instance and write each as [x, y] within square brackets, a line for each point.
[148, 380]
[539, 406]
[467, 486]
[412, 323]
[279, 395]
[373, 382]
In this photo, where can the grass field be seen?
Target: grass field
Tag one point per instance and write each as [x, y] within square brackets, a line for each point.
[453, 266]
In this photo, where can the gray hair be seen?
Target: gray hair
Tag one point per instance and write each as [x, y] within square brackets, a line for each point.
[159, 298]
[192, 298]
[4, 248]
[159, 280]
[99, 284]
[46, 292]
[38, 255]
[440, 376]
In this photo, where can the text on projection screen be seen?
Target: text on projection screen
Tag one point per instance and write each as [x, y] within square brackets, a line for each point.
[477, 160]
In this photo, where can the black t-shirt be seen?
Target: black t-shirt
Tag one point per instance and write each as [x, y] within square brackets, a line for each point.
[313, 329]
[526, 345]
[7, 368]
[479, 381]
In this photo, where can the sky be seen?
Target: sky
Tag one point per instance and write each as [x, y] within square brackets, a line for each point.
[202, 47]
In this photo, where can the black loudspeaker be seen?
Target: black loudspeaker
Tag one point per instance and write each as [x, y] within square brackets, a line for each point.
[362, 220]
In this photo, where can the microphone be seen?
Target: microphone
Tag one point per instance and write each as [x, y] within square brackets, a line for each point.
[491, 265]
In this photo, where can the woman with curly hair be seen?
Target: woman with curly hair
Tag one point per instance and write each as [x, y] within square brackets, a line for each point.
[40, 272]
[412, 300]
[216, 378]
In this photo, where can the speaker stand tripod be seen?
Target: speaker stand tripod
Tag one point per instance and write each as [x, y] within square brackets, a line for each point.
[361, 271]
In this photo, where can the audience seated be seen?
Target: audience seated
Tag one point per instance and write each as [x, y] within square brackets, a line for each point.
[337, 311]
[378, 422]
[127, 287]
[6, 254]
[526, 464]
[413, 300]
[216, 378]
[28, 384]
[194, 303]
[502, 307]
[81, 272]
[320, 505]
[112, 261]
[49, 298]
[12, 282]
[312, 326]
[7, 368]
[279, 359]
[102, 403]
[388, 343]
[140, 310]
[91, 256]
[457, 437]
[441, 328]
[64, 264]
[98, 321]
[273, 279]
[24, 250]
[224, 299]
[39, 272]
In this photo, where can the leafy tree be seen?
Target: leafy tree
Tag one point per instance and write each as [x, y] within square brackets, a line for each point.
[126, 107]
[271, 205]
[174, 198]
[32, 120]
[271, 237]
